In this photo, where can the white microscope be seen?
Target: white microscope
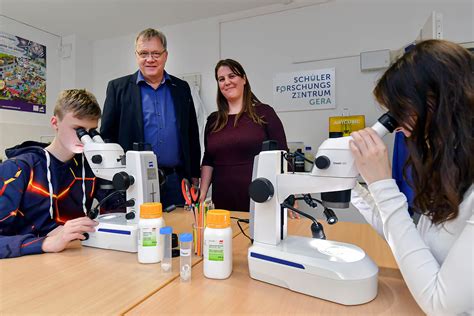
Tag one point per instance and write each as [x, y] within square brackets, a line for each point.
[136, 173]
[330, 270]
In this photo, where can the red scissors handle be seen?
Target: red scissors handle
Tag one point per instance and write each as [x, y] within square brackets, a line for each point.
[185, 191]
[194, 194]
[190, 192]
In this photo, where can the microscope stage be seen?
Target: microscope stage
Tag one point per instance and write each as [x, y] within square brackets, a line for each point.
[113, 232]
[331, 270]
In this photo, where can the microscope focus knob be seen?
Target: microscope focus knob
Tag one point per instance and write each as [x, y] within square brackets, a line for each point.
[97, 159]
[322, 162]
[122, 181]
[261, 190]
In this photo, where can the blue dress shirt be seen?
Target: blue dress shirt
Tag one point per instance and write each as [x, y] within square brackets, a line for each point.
[159, 121]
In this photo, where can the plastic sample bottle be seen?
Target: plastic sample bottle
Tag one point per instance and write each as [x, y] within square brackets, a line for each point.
[150, 248]
[166, 261]
[185, 244]
[218, 245]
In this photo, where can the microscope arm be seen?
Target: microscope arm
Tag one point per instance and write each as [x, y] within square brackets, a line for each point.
[298, 183]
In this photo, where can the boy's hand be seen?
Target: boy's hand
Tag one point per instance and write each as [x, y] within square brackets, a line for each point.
[292, 214]
[71, 230]
[55, 231]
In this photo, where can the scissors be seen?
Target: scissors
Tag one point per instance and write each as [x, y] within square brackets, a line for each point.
[190, 192]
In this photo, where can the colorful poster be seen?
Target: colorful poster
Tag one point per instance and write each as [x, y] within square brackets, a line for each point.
[22, 74]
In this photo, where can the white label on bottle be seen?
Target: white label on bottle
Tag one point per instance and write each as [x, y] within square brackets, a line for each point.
[185, 252]
[216, 249]
[148, 237]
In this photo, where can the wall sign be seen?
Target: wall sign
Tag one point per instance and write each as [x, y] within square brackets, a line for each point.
[305, 90]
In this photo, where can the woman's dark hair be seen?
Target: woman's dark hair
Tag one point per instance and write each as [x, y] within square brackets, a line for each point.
[430, 91]
[249, 99]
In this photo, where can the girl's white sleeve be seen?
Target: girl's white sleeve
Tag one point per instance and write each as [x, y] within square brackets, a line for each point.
[445, 289]
[365, 203]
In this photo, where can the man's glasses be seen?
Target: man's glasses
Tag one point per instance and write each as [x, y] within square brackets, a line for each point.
[154, 55]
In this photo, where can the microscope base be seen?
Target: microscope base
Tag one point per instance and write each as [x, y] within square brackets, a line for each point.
[115, 234]
[330, 270]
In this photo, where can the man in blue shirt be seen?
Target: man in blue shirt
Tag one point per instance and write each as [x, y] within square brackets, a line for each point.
[154, 107]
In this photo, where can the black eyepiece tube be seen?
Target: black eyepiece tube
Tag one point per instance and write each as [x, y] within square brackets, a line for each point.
[95, 136]
[388, 122]
[81, 132]
[83, 135]
[93, 132]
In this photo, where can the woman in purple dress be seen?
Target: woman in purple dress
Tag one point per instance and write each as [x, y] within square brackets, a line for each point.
[234, 136]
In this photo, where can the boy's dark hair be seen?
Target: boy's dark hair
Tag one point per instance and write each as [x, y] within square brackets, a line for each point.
[81, 103]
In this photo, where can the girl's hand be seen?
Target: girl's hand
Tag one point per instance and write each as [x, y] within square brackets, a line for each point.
[371, 155]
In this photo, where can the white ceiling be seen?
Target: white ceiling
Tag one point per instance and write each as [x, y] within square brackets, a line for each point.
[99, 19]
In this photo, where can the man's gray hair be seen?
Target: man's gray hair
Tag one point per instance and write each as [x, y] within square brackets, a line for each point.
[149, 33]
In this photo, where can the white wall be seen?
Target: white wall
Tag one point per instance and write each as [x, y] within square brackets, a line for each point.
[331, 34]
[76, 63]
[112, 58]
[17, 126]
[84, 63]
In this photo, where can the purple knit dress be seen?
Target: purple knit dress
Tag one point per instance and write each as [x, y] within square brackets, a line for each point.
[231, 152]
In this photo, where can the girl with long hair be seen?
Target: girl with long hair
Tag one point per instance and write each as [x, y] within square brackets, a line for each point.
[430, 93]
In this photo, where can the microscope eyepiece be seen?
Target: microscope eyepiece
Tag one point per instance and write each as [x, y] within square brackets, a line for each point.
[385, 124]
[93, 132]
[83, 135]
[388, 122]
[81, 132]
[95, 136]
